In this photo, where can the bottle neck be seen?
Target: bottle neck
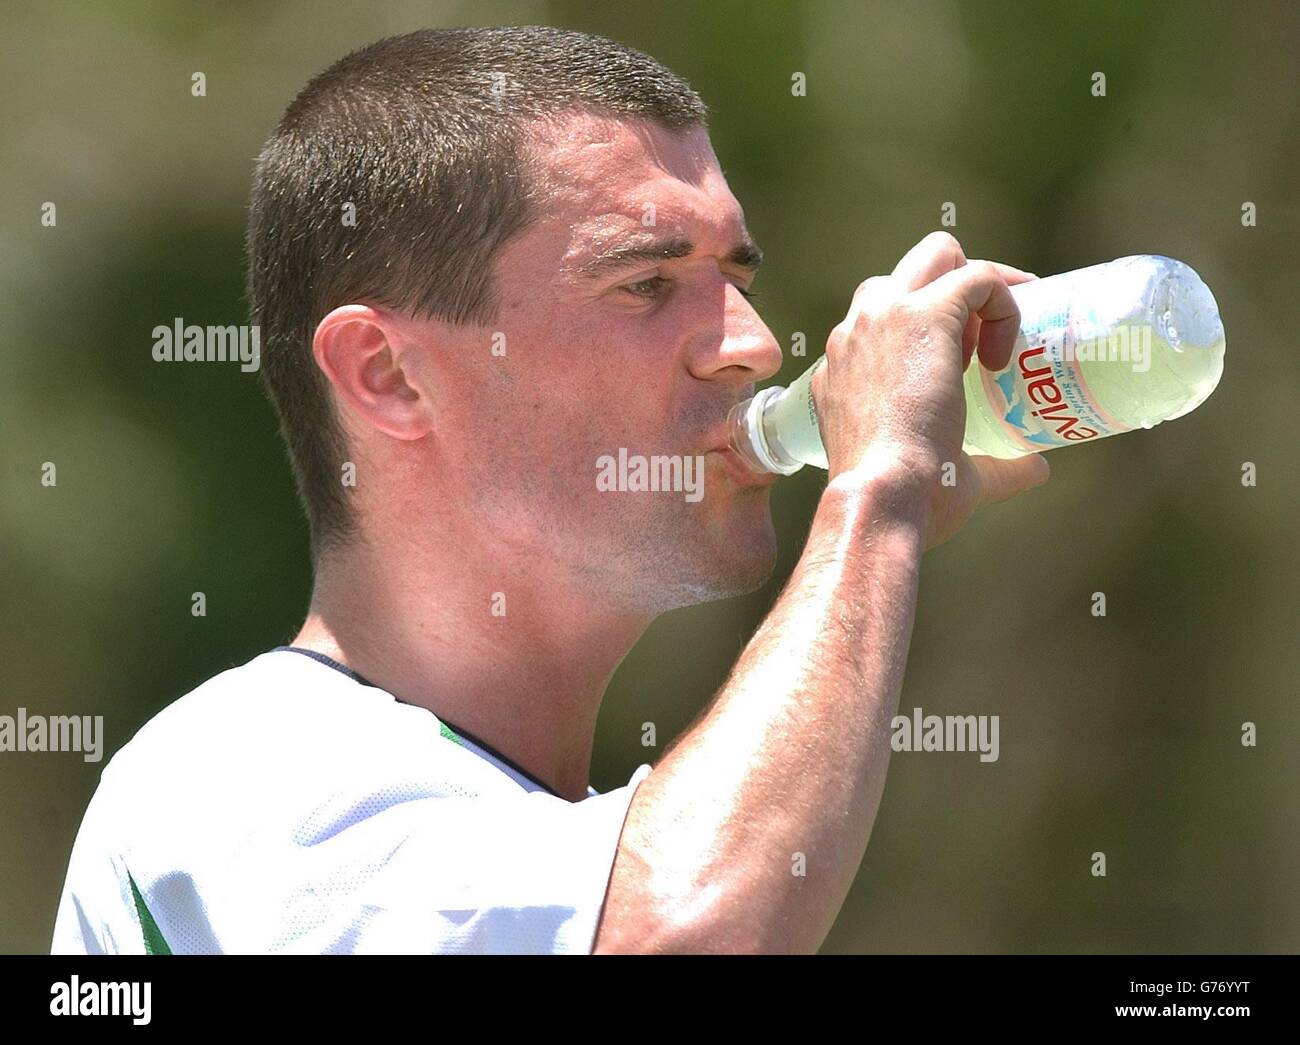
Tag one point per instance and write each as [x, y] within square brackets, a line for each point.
[747, 422]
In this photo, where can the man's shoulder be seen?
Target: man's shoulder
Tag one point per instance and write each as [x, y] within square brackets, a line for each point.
[280, 726]
[274, 702]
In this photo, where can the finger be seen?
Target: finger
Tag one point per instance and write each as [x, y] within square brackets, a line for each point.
[1009, 273]
[980, 289]
[970, 336]
[938, 253]
[1000, 480]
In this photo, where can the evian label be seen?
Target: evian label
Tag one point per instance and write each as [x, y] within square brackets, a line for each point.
[1041, 398]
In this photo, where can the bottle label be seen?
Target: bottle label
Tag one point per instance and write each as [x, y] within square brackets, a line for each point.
[1041, 398]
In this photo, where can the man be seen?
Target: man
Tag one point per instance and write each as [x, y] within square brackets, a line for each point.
[482, 260]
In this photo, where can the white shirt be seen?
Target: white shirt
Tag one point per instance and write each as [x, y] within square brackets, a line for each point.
[288, 805]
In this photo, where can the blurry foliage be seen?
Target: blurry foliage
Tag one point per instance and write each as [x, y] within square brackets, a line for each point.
[1119, 734]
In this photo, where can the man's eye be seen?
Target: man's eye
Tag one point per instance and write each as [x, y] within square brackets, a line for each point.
[656, 285]
[648, 288]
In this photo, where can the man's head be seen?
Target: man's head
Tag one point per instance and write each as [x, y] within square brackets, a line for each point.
[439, 260]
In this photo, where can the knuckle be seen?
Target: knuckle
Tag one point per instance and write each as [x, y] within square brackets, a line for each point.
[868, 288]
[839, 338]
[875, 296]
[866, 317]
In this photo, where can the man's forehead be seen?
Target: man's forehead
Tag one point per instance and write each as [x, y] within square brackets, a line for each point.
[609, 181]
[586, 153]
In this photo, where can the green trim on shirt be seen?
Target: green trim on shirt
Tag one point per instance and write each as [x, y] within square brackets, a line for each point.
[154, 943]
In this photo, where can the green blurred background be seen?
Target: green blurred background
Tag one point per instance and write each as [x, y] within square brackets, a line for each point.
[1119, 734]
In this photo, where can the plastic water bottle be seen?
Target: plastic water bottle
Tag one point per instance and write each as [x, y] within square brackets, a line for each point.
[1101, 350]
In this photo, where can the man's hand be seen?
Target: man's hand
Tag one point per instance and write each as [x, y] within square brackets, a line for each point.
[890, 395]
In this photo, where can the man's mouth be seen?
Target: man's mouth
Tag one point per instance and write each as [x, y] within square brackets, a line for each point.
[739, 472]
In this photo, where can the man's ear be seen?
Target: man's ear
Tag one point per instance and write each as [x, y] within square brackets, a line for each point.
[353, 350]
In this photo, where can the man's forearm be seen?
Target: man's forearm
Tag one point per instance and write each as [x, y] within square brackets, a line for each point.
[790, 758]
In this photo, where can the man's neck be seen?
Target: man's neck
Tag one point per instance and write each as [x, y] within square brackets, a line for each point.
[516, 661]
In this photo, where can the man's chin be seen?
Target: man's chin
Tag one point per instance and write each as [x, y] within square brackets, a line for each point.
[739, 564]
[746, 581]
[707, 572]
[698, 553]
[712, 586]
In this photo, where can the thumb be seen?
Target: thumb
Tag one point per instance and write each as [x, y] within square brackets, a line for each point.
[1001, 480]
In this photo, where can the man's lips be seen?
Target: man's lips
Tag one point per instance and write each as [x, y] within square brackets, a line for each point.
[741, 474]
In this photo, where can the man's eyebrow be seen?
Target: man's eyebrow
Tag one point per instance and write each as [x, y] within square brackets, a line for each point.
[744, 254]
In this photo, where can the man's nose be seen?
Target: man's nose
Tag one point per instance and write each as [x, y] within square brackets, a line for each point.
[747, 352]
